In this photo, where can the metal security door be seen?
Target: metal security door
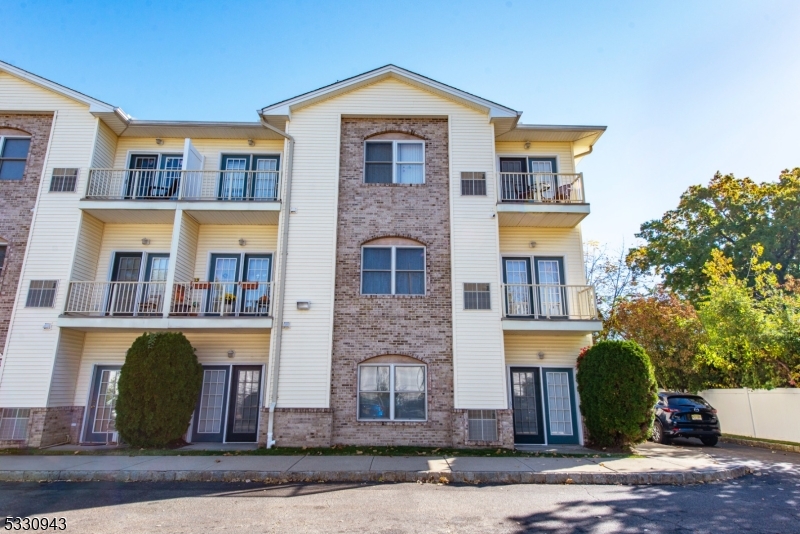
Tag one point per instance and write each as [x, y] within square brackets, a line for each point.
[562, 420]
[244, 403]
[208, 423]
[102, 414]
[527, 405]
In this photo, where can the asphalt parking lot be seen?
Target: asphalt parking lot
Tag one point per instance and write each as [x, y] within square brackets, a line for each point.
[766, 501]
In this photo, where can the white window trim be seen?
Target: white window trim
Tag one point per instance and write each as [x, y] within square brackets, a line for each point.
[464, 297]
[391, 392]
[394, 270]
[395, 163]
[3, 139]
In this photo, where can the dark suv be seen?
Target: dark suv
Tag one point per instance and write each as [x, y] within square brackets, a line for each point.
[686, 416]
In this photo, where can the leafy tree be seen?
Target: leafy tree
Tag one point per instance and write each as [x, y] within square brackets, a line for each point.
[614, 282]
[730, 215]
[752, 329]
[670, 331]
[158, 388]
[618, 393]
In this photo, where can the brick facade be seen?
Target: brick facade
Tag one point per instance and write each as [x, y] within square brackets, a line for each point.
[51, 426]
[505, 431]
[298, 427]
[17, 200]
[419, 327]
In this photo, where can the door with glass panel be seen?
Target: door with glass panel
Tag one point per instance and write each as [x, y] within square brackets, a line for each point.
[265, 178]
[151, 295]
[208, 423]
[244, 404]
[256, 277]
[551, 293]
[101, 414]
[233, 183]
[223, 294]
[123, 293]
[514, 179]
[526, 403]
[544, 179]
[169, 178]
[519, 300]
[559, 397]
[142, 175]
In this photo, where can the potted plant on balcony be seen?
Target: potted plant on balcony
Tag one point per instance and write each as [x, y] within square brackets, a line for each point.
[249, 285]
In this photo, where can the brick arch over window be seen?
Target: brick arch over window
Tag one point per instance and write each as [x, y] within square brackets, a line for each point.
[391, 358]
[11, 130]
[396, 240]
[395, 134]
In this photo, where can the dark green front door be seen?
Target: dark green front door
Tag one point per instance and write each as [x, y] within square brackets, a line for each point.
[559, 400]
[526, 398]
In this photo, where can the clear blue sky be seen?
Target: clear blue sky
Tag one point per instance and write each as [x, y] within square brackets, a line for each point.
[685, 88]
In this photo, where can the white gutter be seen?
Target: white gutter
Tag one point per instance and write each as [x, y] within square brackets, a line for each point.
[277, 324]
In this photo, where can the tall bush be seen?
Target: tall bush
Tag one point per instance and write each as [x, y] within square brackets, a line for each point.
[618, 389]
[158, 388]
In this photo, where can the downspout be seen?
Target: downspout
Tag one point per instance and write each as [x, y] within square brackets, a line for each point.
[277, 325]
[591, 147]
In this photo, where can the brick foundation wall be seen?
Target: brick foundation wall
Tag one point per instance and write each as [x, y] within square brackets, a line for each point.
[415, 326]
[17, 199]
[51, 426]
[505, 431]
[297, 427]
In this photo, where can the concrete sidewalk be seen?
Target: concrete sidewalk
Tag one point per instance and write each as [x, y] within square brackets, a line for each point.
[660, 465]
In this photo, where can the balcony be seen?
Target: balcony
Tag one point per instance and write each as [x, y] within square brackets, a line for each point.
[549, 308]
[541, 199]
[208, 196]
[123, 306]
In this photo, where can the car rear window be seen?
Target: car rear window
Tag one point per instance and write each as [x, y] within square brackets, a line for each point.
[689, 401]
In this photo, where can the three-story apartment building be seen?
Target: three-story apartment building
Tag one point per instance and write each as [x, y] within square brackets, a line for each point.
[385, 260]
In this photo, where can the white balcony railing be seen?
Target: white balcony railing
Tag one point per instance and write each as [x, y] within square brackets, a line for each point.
[542, 301]
[541, 187]
[221, 299]
[127, 184]
[124, 299]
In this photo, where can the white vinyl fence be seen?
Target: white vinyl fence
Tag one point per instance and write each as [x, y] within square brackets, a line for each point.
[758, 413]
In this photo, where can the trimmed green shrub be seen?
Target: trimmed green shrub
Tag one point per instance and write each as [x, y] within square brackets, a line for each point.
[618, 390]
[158, 388]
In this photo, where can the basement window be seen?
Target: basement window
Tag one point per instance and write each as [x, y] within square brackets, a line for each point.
[14, 424]
[482, 425]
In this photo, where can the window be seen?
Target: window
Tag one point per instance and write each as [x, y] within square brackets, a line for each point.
[63, 180]
[399, 162]
[477, 297]
[390, 392]
[473, 183]
[14, 423]
[393, 271]
[2, 257]
[13, 155]
[482, 425]
[41, 294]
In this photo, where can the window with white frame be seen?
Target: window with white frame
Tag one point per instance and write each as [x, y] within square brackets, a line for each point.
[477, 297]
[392, 270]
[392, 392]
[63, 180]
[41, 294]
[13, 156]
[14, 423]
[473, 184]
[398, 162]
[482, 425]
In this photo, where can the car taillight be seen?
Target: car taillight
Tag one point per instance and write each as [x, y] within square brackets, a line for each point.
[670, 410]
[713, 410]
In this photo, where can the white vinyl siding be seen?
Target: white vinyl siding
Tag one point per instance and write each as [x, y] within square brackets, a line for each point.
[212, 149]
[186, 249]
[550, 242]
[30, 351]
[102, 348]
[65, 369]
[225, 238]
[306, 353]
[560, 350]
[105, 148]
[87, 251]
[561, 151]
[128, 238]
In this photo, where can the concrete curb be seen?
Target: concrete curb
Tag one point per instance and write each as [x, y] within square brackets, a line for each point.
[458, 477]
[761, 444]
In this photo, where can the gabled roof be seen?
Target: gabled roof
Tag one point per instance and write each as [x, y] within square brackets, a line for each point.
[282, 110]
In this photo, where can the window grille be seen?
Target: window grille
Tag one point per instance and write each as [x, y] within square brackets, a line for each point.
[482, 425]
[14, 423]
[63, 180]
[473, 183]
[477, 297]
[41, 294]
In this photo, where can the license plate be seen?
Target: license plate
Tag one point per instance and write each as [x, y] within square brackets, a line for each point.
[697, 417]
